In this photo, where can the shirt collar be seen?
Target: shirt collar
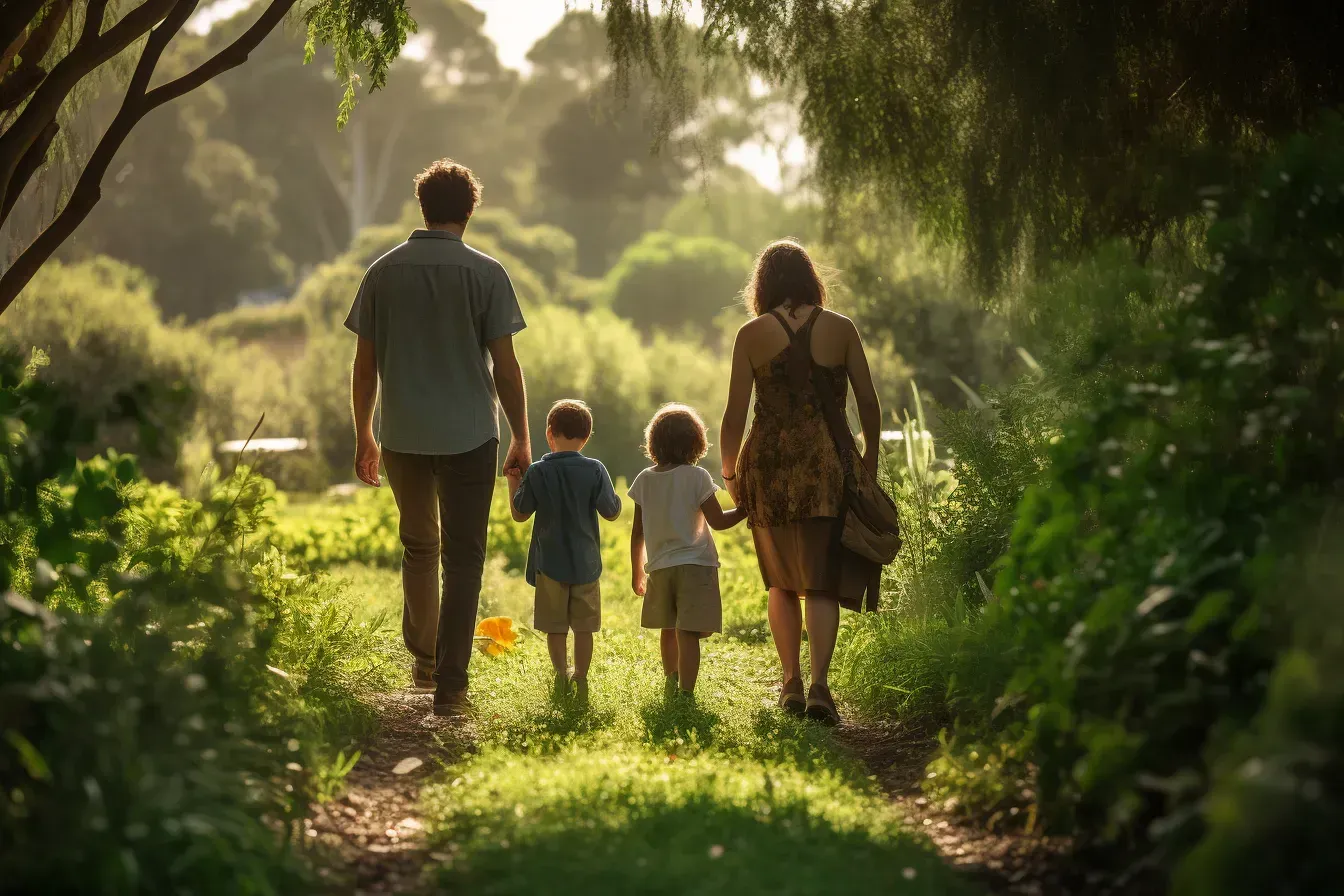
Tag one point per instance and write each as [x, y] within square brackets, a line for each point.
[422, 234]
[557, 455]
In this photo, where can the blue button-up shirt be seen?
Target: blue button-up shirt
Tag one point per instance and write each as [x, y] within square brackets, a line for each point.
[566, 491]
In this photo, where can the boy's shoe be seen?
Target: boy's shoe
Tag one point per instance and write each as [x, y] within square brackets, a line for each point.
[670, 687]
[581, 690]
[454, 704]
[561, 688]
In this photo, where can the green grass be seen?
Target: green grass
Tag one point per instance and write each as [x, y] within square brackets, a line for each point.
[636, 793]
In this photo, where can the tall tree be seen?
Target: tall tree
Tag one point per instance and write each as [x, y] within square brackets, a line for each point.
[439, 101]
[1026, 131]
[56, 52]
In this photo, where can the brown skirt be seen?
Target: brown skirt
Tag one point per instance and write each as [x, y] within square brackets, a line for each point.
[806, 558]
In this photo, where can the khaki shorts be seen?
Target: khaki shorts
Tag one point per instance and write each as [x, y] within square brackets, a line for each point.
[560, 607]
[684, 597]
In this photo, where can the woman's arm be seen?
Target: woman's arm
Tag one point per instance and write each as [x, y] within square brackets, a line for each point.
[865, 396]
[735, 414]
[638, 580]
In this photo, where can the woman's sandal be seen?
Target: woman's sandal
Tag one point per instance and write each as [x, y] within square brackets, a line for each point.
[820, 706]
[791, 698]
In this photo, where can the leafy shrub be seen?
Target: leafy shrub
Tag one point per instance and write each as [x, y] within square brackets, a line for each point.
[97, 322]
[280, 323]
[670, 282]
[1278, 790]
[172, 694]
[1134, 586]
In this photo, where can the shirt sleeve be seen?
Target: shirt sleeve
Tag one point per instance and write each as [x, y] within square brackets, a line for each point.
[608, 502]
[636, 491]
[705, 487]
[360, 320]
[503, 315]
[525, 499]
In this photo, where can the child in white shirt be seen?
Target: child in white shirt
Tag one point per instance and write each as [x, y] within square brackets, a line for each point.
[675, 565]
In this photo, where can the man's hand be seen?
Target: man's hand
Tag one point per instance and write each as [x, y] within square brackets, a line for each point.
[367, 457]
[639, 582]
[518, 459]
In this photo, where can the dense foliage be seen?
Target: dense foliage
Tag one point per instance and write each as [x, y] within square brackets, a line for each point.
[174, 696]
[1027, 130]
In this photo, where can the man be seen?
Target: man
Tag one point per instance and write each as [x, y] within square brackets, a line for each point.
[435, 321]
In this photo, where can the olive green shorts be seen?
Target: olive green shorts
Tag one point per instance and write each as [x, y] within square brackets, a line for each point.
[560, 607]
[684, 597]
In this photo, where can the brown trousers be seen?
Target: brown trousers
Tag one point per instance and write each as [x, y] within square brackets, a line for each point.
[444, 502]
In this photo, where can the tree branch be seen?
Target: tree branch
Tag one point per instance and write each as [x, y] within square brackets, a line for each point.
[28, 166]
[19, 83]
[137, 104]
[19, 14]
[87, 55]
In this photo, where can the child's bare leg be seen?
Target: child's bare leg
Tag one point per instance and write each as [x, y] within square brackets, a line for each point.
[688, 659]
[668, 645]
[583, 654]
[558, 645]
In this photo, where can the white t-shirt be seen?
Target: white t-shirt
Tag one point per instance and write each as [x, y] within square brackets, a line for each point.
[675, 530]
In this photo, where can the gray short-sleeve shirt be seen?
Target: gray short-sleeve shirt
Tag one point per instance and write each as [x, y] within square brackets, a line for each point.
[429, 307]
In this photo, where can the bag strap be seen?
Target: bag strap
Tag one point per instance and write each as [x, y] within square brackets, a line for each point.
[835, 421]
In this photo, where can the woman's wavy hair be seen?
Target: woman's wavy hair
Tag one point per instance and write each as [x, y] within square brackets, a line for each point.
[784, 275]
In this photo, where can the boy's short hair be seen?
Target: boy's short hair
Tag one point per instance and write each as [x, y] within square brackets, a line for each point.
[448, 193]
[676, 435]
[570, 418]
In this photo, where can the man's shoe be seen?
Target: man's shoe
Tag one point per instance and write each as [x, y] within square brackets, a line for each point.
[422, 681]
[451, 705]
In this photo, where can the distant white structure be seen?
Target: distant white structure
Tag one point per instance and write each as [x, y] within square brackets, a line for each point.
[898, 435]
[263, 446]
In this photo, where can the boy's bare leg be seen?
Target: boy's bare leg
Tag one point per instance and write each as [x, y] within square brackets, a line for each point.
[558, 645]
[667, 643]
[583, 654]
[688, 659]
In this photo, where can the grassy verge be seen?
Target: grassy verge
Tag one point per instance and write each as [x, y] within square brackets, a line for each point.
[638, 793]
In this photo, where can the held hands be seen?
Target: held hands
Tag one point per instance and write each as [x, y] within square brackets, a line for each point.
[518, 459]
[367, 457]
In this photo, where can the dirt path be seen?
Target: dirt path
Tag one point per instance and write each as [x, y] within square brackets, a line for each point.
[373, 834]
[1007, 862]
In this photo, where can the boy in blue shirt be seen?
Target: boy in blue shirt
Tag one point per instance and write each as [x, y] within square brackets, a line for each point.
[566, 491]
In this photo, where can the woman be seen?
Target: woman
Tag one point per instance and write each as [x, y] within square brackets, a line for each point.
[788, 477]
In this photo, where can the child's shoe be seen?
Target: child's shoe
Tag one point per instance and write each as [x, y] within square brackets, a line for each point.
[670, 687]
[561, 689]
[581, 691]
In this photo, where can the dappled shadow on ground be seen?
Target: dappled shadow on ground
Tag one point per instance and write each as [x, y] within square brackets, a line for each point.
[677, 721]
[701, 846]
[553, 723]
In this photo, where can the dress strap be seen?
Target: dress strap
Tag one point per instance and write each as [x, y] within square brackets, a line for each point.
[800, 341]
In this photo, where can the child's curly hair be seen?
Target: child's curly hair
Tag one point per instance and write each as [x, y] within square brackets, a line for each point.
[676, 435]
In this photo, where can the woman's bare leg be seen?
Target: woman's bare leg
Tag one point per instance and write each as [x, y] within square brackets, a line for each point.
[786, 624]
[823, 624]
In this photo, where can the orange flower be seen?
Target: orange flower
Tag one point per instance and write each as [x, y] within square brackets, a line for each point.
[495, 635]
